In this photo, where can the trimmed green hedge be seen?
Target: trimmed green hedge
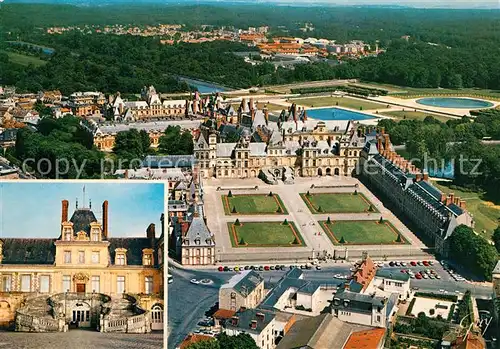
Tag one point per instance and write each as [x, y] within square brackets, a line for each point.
[445, 297]
[410, 307]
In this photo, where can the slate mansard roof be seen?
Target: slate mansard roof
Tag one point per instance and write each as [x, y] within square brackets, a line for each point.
[43, 251]
[81, 219]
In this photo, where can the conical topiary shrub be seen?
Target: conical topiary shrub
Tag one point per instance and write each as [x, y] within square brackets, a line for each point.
[381, 220]
[319, 209]
[295, 241]
[230, 195]
[370, 209]
[285, 222]
[237, 222]
[399, 239]
[342, 240]
[328, 221]
[308, 193]
[355, 192]
[270, 193]
[242, 242]
[279, 210]
[234, 210]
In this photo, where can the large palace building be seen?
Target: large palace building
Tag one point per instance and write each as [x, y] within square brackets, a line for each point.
[434, 213]
[280, 149]
[84, 277]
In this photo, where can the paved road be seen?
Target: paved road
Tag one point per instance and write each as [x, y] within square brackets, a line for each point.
[80, 339]
[187, 303]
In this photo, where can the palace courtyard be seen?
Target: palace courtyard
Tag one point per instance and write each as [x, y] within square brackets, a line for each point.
[253, 204]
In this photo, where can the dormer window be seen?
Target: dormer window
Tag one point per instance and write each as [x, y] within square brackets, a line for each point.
[95, 235]
[147, 256]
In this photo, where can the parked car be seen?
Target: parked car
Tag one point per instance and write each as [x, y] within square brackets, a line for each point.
[437, 276]
[420, 263]
[425, 263]
[418, 276]
[221, 268]
[271, 267]
[391, 264]
[226, 268]
[425, 276]
[413, 263]
[318, 267]
[236, 269]
[403, 264]
[246, 267]
[261, 268]
[431, 263]
[266, 268]
[194, 281]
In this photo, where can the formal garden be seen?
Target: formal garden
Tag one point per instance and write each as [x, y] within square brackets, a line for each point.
[253, 204]
[265, 234]
[338, 202]
[379, 232]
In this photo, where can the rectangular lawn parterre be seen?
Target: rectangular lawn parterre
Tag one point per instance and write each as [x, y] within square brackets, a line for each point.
[265, 234]
[362, 233]
[253, 204]
[337, 203]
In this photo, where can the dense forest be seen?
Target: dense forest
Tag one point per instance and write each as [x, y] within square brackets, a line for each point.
[465, 49]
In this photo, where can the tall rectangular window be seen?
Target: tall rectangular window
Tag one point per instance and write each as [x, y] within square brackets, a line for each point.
[148, 260]
[66, 283]
[120, 284]
[95, 257]
[148, 283]
[81, 257]
[7, 283]
[25, 283]
[67, 257]
[44, 283]
[96, 284]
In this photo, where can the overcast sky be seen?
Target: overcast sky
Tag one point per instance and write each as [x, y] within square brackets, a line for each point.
[33, 209]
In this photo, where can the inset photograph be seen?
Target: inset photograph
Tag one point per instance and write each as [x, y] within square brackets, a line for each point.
[81, 264]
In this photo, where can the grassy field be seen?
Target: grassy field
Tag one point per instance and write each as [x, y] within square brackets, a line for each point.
[346, 102]
[265, 234]
[413, 92]
[260, 105]
[24, 59]
[486, 214]
[253, 204]
[337, 203]
[414, 115]
[361, 232]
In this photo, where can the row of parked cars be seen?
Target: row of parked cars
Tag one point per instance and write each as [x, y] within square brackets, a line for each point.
[408, 264]
[453, 274]
[423, 274]
[268, 267]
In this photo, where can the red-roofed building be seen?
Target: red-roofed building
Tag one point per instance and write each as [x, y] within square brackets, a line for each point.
[369, 339]
[194, 338]
[365, 272]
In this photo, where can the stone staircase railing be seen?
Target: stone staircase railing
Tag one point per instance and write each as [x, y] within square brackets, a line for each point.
[119, 319]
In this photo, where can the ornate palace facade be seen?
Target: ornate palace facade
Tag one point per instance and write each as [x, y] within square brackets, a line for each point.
[102, 279]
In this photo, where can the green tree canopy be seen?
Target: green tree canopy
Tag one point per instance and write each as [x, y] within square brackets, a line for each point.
[174, 141]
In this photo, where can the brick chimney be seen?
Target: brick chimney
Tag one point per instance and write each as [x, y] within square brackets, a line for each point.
[443, 197]
[253, 325]
[449, 200]
[452, 198]
[386, 141]
[379, 144]
[260, 316]
[457, 200]
[105, 219]
[266, 114]
[462, 205]
[426, 176]
[64, 212]
[151, 234]
[235, 320]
